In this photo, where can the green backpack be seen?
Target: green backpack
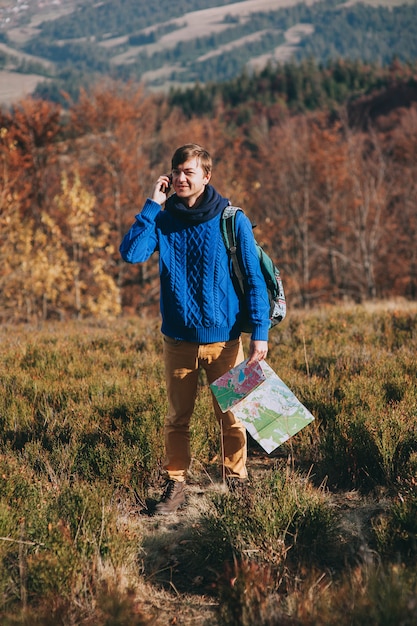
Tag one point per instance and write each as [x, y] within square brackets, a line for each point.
[271, 274]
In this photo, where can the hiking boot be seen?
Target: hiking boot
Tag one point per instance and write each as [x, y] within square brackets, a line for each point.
[172, 498]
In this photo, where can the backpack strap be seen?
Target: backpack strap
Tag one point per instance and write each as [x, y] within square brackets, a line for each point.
[228, 228]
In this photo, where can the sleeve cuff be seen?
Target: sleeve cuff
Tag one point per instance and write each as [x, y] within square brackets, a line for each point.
[260, 333]
[150, 209]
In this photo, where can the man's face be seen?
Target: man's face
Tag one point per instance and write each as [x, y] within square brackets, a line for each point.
[189, 181]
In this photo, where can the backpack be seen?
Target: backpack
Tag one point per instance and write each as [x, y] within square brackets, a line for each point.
[271, 274]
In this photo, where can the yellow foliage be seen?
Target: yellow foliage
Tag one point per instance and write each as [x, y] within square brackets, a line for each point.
[35, 266]
[88, 242]
[54, 267]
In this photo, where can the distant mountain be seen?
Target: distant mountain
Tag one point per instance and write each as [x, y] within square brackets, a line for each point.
[165, 44]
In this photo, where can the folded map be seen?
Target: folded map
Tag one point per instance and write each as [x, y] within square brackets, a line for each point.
[269, 410]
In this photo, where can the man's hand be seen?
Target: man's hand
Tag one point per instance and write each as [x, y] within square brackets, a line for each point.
[257, 351]
[161, 189]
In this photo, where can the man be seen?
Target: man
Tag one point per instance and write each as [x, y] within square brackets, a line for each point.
[199, 306]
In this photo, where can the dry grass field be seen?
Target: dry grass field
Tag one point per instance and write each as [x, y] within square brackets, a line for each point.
[325, 535]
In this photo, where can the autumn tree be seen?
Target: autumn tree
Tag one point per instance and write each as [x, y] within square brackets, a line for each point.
[116, 134]
[93, 288]
[29, 143]
[401, 260]
[34, 278]
[369, 200]
[285, 193]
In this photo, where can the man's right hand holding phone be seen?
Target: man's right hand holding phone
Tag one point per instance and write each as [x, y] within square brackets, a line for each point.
[161, 189]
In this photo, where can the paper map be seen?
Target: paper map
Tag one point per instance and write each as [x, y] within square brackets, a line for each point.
[270, 411]
[236, 384]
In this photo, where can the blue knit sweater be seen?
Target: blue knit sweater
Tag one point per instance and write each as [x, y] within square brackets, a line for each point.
[197, 298]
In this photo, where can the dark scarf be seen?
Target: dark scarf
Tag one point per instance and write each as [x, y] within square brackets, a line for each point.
[212, 204]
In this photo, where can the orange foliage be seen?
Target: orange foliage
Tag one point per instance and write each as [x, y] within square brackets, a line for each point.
[334, 206]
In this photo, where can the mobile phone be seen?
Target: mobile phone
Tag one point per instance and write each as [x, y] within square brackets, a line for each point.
[168, 187]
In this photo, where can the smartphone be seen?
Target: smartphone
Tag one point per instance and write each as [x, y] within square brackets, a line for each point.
[168, 187]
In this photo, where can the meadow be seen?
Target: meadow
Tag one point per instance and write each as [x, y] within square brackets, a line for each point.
[326, 535]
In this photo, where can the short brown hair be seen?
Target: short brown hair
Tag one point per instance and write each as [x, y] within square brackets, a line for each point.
[190, 150]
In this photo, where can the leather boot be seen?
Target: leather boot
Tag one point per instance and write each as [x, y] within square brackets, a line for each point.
[172, 498]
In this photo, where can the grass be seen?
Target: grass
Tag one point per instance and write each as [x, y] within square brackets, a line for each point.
[326, 535]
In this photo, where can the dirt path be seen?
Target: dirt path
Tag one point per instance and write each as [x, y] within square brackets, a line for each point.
[183, 597]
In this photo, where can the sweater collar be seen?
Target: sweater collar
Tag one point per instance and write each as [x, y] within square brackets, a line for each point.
[212, 204]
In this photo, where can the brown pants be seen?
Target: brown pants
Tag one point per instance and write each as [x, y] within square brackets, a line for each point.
[182, 362]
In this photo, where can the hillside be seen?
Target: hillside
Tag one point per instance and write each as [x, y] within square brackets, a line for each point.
[75, 43]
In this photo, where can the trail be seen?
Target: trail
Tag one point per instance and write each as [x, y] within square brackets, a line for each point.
[182, 595]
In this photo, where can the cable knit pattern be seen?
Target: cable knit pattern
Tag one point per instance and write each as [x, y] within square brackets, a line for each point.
[198, 301]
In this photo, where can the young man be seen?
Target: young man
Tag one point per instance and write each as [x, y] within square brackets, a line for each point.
[199, 305]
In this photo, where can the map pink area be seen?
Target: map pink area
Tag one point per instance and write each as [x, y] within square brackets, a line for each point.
[236, 384]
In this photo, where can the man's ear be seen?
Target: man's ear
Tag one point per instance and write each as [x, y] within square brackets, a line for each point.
[208, 176]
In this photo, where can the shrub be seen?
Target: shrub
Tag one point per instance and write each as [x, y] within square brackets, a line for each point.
[282, 520]
[396, 530]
